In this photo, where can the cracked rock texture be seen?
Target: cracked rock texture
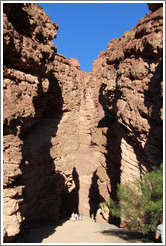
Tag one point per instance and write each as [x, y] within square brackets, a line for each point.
[71, 136]
[41, 105]
[132, 90]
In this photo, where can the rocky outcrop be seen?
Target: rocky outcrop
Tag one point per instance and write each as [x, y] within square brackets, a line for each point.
[74, 63]
[41, 100]
[131, 93]
[71, 136]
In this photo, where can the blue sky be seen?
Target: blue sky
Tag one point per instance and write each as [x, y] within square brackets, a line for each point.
[86, 28]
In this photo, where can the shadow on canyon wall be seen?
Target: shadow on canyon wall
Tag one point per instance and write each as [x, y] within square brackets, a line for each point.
[70, 201]
[154, 102]
[151, 154]
[35, 232]
[148, 156]
[114, 136]
[94, 196]
[42, 184]
[19, 18]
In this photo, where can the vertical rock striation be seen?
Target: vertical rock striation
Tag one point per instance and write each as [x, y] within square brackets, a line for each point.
[131, 94]
[71, 136]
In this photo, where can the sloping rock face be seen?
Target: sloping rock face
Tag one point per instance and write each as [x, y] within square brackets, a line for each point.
[71, 136]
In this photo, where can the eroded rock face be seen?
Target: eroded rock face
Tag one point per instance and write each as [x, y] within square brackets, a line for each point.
[74, 62]
[40, 90]
[131, 92]
[71, 136]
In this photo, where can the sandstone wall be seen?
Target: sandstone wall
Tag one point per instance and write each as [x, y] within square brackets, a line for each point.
[131, 93]
[71, 136]
[41, 102]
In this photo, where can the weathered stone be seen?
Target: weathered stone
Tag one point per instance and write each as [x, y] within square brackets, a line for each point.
[134, 96]
[36, 98]
[71, 136]
[74, 62]
[102, 214]
[154, 6]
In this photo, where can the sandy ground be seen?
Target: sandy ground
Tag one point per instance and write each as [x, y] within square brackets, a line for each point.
[86, 231]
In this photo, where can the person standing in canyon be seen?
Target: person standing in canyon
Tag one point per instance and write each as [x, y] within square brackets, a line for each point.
[159, 231]
[73, 217]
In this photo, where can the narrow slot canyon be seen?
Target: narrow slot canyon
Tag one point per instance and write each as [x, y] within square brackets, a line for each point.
[71, 136]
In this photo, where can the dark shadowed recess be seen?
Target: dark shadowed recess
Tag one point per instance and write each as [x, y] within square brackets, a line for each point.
[42, 184]
[18, 17]
[70, 200]
[94, 195]
[114, 136]
[153, 99]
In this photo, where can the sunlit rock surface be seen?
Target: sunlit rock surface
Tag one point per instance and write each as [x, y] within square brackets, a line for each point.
[71, 136]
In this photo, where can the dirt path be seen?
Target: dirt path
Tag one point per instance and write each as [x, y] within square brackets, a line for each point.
[85, 231]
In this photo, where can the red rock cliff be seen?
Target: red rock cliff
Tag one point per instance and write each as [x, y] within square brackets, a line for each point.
[71, 136]
[131, 94]
[41, 103]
